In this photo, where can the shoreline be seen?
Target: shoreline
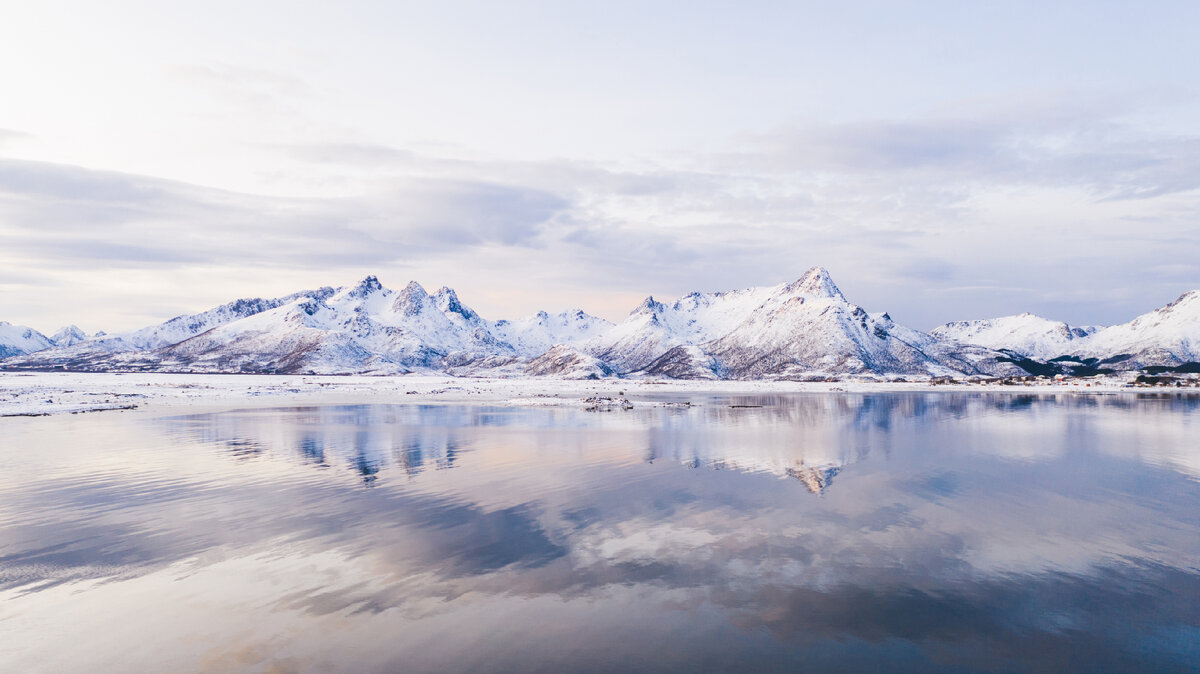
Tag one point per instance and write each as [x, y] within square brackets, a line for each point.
[52, 393]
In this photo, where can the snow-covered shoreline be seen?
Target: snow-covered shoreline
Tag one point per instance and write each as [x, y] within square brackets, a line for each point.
[45, 393]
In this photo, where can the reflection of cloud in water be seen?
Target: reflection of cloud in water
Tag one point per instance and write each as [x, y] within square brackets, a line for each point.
[1002, 532]
[810, 438]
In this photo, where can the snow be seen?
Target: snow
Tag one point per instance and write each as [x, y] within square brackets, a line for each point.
[534, 335]
[806, 328]
[42, 393]
[16, 340]
[1169, 335]
[803, 329]
[68, 336]
[1025, 334]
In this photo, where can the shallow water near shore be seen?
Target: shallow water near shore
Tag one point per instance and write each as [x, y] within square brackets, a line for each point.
[841, 532]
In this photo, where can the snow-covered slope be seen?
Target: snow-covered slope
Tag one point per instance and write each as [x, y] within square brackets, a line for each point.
[808, 327]
[360, 328]
[68, 336]
[654, 328]
[100, 351]
[1025, 334]
[363, 328]
[534, 335]
[568, 363]
[801, 329]
[796, 330]
[17, 340]
[370, 328]
[1169, 336]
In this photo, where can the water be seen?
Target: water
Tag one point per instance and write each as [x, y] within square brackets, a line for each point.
[925, 532]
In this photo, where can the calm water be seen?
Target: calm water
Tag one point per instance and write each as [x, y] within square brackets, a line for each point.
[811, 532]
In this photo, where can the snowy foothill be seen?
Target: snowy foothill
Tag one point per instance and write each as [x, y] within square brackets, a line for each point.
[45, 393]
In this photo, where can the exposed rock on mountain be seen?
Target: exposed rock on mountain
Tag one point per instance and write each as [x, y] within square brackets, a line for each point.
[800, 330]
[568, 363]
[68, 336]
[535, 334]
[1168, 336]
[791, 331]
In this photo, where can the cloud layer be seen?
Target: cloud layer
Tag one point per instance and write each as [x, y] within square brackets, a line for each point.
[942, 172]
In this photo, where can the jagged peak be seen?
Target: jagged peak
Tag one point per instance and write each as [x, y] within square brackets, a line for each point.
[68, 335]
[447, 300]
[365, 287]
[411, 299]
[648, 306]
[415, 289]
[816, 282]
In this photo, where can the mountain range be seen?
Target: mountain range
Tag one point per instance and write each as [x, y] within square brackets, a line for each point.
[805, 329]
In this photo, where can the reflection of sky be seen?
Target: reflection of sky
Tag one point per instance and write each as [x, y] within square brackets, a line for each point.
[957, 529]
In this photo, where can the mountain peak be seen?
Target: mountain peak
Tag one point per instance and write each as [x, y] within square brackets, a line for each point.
[365, 287]
[1189, 296]
[649, 306]
[412, 299]
[447, 300]
[68, 336]
[817, 282]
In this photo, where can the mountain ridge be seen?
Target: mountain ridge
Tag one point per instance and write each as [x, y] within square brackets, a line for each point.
[798, 330]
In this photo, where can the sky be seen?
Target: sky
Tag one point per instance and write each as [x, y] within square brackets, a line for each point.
[944, 160]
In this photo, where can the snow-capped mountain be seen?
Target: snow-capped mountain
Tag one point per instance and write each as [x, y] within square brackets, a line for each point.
[361, 328]
[1168, 336]
[534, 335]
[68, 336]
[101, 350]
[654, 328]
[364, 328]
[795, 330]
[17, 340]
[1024, 334]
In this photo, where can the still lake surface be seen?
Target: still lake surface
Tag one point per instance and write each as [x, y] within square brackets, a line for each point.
[842, 532]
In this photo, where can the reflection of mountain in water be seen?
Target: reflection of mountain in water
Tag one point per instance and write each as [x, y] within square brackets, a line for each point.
[806, 437]
[368, 438]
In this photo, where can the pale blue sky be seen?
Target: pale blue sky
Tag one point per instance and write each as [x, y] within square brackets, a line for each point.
[945, 160]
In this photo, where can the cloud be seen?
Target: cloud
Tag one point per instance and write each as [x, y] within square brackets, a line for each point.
[1085, 149]
[1060, 199]
[9, 136]
[62, 215]
[359, 154]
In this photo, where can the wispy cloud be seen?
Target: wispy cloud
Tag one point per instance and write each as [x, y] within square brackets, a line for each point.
[932, 220]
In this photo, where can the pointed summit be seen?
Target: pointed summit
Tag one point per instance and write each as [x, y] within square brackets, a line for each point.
[68, 336]
[447, 300]
[365, 287]
[649, 306]
[412, 299]
[816, 282]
